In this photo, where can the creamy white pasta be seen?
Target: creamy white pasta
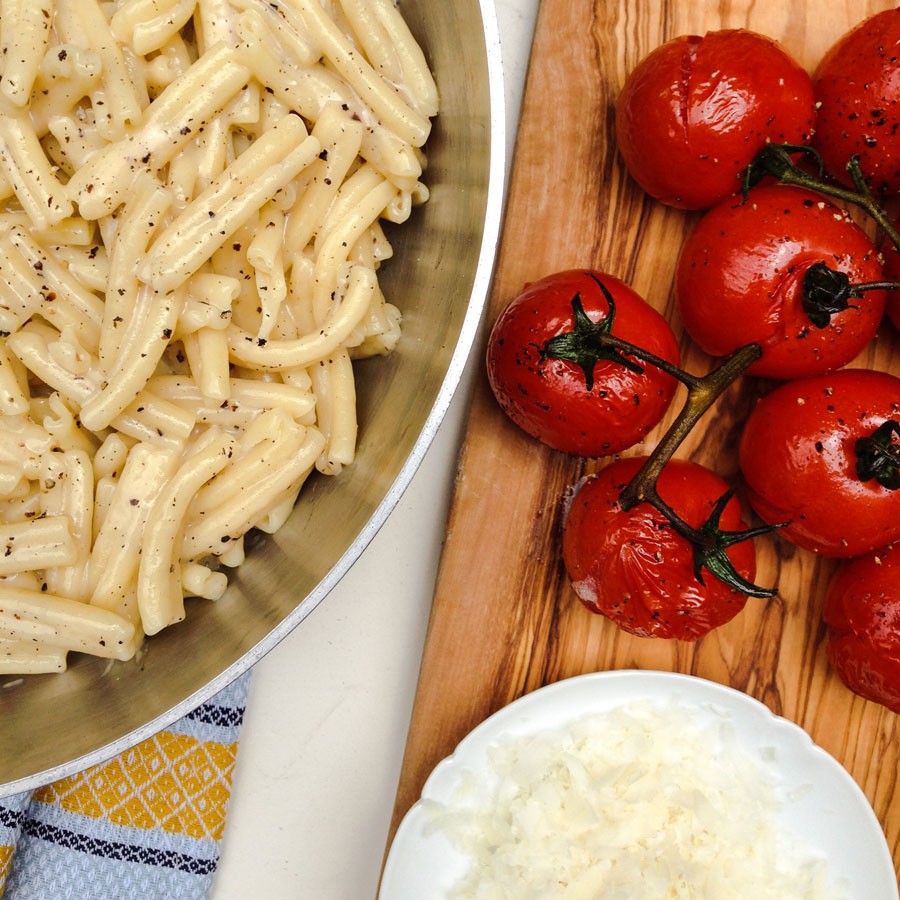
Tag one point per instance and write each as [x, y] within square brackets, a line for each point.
[190, 198]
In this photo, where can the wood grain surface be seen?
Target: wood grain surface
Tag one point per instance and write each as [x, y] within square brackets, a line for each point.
[505, 620]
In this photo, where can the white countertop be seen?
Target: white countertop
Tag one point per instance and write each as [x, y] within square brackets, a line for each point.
[328, 712]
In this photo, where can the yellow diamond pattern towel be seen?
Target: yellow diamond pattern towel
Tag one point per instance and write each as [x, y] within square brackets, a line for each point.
[146, 824]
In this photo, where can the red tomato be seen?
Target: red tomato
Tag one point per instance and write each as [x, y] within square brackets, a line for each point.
[740, 280]
[858, 90]
[635, 569]
[862, 612]
[799, 453]
[552, 399]
[695, 111]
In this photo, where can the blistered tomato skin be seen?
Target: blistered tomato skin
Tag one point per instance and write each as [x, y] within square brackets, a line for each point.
[695, 111]
[740, 280]
[633, 568]
[798, 457]
[548, 398]
[862, 613]
[857, 85]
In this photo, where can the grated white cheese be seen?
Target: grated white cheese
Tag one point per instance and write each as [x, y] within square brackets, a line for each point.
[641, 802]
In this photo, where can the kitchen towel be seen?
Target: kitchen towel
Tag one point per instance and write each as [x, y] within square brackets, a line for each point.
[146, 824]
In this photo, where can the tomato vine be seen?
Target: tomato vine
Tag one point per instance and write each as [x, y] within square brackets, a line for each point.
[777, 161]
[589, 342]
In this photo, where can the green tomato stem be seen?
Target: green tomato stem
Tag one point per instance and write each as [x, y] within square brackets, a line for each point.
[709, 542]
[590, 342]
[864, 286]
[775, 160]
[702, 394]
[878, 457]
[827, 291]
[686, 378]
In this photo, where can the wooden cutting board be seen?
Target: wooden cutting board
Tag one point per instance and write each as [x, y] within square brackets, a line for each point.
[504, 618]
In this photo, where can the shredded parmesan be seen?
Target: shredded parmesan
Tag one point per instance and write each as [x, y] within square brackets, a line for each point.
[641, 802]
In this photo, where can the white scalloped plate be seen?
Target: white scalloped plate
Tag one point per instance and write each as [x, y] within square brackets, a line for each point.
[832, 814]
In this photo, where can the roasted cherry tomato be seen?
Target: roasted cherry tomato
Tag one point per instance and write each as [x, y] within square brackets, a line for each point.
[778, 271]
[634, 568]
[858, 92]
[862, 612]
[590, 408]
[822, 453]
[695, 111]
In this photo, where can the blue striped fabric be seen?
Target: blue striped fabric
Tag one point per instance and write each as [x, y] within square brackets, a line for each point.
[146, 824]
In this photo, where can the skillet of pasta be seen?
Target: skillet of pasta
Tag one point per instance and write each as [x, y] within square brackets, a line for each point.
[192, 194]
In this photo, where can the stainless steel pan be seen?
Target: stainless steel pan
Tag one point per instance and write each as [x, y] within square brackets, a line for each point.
[52, 726]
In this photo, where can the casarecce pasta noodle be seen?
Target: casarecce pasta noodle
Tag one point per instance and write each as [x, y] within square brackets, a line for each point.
[191, 194]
